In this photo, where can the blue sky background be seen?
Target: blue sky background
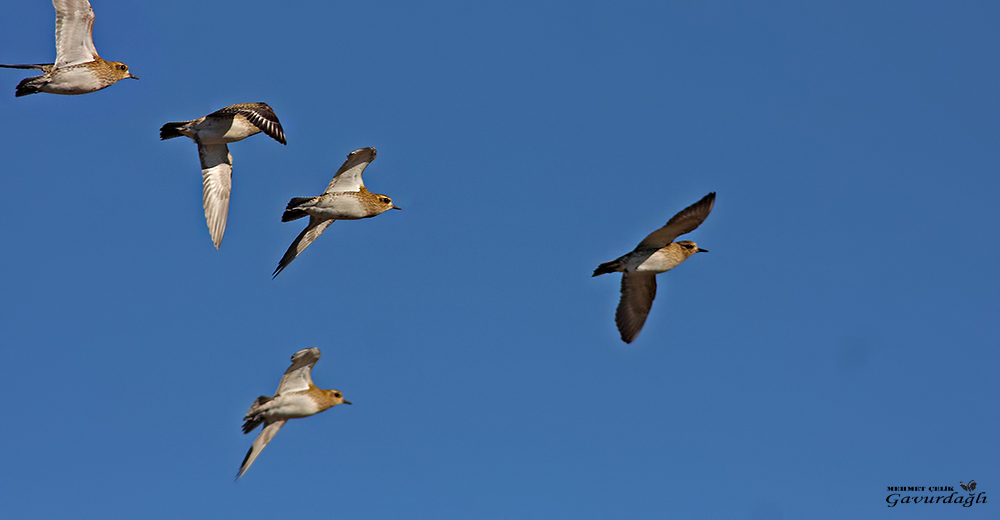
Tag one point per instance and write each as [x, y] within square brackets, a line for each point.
[841, 336]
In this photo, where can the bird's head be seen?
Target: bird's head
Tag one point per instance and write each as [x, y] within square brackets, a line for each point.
[689, 248]
[336, 397]
[121, 70]
[384, 203]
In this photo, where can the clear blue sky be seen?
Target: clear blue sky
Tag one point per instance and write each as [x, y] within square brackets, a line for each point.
[841, 336]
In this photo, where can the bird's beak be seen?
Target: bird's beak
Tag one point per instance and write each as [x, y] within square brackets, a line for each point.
[700, 250]
[396, 207]
[347, 402]
[130, 75]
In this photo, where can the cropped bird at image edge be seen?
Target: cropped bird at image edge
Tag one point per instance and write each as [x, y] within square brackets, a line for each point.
[78, 69]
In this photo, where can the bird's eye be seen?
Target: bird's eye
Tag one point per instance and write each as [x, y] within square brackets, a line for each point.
[123, 67]
[688, 246]
[386, 200]
[337, 394]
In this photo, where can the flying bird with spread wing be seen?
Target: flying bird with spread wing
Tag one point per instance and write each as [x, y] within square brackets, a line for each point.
[296, 397]
[78, 69]
[657, 253]
[211, 133]
[345, 198]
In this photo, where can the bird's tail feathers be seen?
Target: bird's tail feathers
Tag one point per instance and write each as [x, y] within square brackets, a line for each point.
[609, 267]
[172, 130]
[29, 86]
[252, 423]
[253, 419]
[292, 211]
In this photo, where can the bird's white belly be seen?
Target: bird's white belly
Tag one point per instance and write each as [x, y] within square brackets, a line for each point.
[224, 130]
[292, 406]
[345, 205]
[657, 262]
[73, 80]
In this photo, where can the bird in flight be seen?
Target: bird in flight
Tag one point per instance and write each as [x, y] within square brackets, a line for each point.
[78, 69]
[211, 133]
[296, 397]
[657, 253]
[345, 198]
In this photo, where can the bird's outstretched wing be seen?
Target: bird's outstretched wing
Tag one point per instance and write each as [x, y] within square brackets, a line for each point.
[686, 221]
[260, 114]
[299, 376]
[264, 437]
[312, 231]
[74, 28]
[217, 176]
[638, 291]
[348, 177]
[44, 67]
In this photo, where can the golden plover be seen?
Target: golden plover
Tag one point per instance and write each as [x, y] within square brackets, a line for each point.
[296, 397]
[346, 198]
[78, 69]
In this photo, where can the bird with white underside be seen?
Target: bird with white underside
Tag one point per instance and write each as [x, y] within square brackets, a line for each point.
[296, 397]
[211, 133]
[657, 253]
[78, 69]
[345, 198]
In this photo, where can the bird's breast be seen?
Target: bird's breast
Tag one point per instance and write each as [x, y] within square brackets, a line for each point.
[661, 260]
[218, 130]
[293, 405]
[342, 205]
[74, 80]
